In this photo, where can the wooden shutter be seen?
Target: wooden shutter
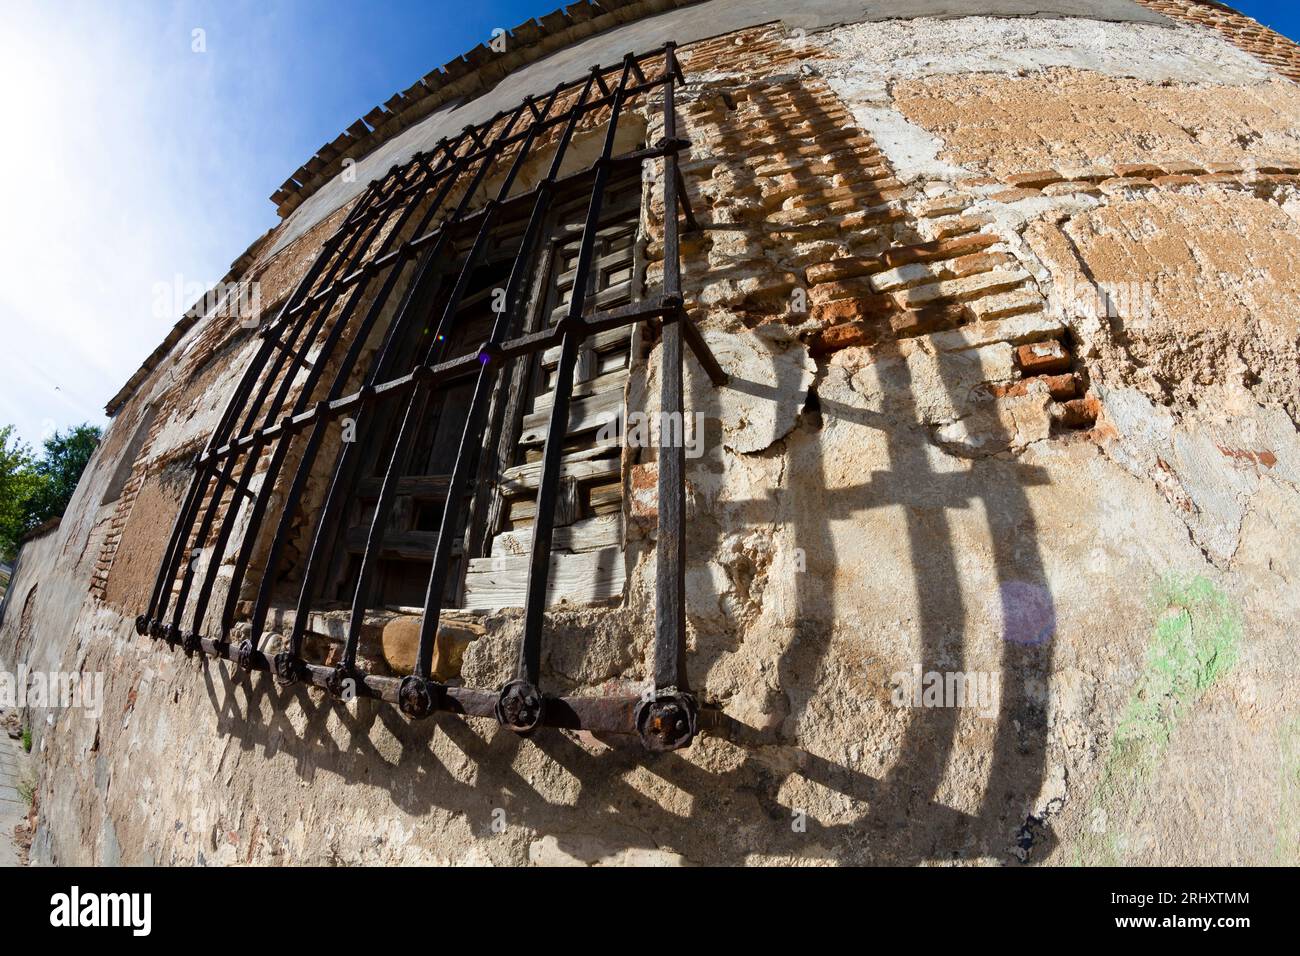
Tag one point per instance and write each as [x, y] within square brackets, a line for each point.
[587, 562]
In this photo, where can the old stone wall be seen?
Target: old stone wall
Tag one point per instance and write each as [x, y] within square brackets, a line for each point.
[1011, 318]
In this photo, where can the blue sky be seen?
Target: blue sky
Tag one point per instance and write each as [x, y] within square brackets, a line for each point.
[130, 159]
[1280, 15]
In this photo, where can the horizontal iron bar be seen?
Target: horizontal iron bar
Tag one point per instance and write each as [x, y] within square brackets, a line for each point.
[646, 310]
[223, 481]
[609, 715]
[300, 354]
[704, 354]
[407, 249]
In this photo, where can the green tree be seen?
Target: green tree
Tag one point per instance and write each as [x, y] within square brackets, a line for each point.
[18, 482]
[34, 490]
[59, 470]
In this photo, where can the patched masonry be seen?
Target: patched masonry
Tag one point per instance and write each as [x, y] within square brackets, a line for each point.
[990, 549]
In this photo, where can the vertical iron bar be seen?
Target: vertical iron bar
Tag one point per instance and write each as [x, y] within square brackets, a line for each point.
[667, 717]
[340, 379]
[289, 353]
[472, 436]
[414, 415]
[521, 704]
[337, 494]
[184, 523]
[284, 372]
[293, 498]
[670, 555]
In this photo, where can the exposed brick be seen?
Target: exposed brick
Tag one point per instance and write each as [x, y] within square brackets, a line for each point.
[1121, 183]
[644, 492]
[920, 272]
[860, 308]
[1035, 180]
[958, 225]
[891, 195]
[1094, 174]
[854, 266]
[1184, 169]
[842, 336]
[1072, 187]
[1211, 179]
[1015, 195]
[845, 268]
[850, 288]
[966, 288]
[1274, 166]
[937, 249]
[936, 318]
[1043, 358]
[943, 205]
[975, 263]
[1060, 387]
[1139, 170]
[1077, 413]
[1015, 302]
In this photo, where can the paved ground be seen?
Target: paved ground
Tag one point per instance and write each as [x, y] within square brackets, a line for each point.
[14, 764]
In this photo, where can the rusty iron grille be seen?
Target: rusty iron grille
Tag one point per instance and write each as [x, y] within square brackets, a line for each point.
[353, 314]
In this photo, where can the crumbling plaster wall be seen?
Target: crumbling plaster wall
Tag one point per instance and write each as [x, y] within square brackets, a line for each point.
[930, 456]
[1160, 166]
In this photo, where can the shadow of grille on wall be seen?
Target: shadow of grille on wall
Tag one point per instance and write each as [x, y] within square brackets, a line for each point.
[276, 424]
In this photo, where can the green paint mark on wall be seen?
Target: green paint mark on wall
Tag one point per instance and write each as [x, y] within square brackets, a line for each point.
[1197, 633]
